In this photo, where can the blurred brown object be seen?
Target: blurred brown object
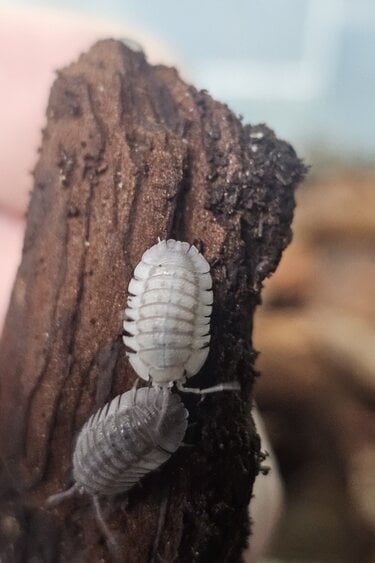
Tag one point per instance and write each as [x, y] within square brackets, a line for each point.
[316, 335]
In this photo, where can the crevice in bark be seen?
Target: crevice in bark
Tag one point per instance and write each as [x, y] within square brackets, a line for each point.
[176, 229]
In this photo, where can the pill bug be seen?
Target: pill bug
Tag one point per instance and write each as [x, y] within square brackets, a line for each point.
[168, 315]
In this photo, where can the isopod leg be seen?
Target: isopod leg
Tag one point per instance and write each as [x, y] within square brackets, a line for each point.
[112, 544]
[53, 500]
[234, 386]
[134, 390]
[161, 521]
[164, 408]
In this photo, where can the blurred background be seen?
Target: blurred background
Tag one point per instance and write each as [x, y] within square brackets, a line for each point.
[306, 68]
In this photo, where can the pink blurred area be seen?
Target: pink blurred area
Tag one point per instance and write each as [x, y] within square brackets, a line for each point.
[11, 236]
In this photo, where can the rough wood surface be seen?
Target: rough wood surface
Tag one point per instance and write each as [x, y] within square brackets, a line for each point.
[131, 153]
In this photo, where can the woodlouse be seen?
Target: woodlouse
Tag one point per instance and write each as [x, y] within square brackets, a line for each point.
[168, 316]
[130, 436]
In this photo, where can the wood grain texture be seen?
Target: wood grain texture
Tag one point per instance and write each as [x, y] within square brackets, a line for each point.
[131, 153]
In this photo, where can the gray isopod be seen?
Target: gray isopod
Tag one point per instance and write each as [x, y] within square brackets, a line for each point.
[130, 436]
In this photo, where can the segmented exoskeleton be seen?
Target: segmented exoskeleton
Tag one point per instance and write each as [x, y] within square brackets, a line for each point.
[130, 436]
[168, 315]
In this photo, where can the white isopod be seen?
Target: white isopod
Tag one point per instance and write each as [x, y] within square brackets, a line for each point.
[168, 315]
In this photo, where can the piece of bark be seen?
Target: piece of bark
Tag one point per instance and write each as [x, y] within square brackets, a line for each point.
[131, 153]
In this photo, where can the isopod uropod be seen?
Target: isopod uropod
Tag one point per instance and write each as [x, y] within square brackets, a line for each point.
[168, 315]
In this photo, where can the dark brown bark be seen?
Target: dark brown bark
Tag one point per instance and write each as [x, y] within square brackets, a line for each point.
[131, 153]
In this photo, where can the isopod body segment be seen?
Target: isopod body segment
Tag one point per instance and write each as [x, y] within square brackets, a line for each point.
[130, 436]
[168, 314]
